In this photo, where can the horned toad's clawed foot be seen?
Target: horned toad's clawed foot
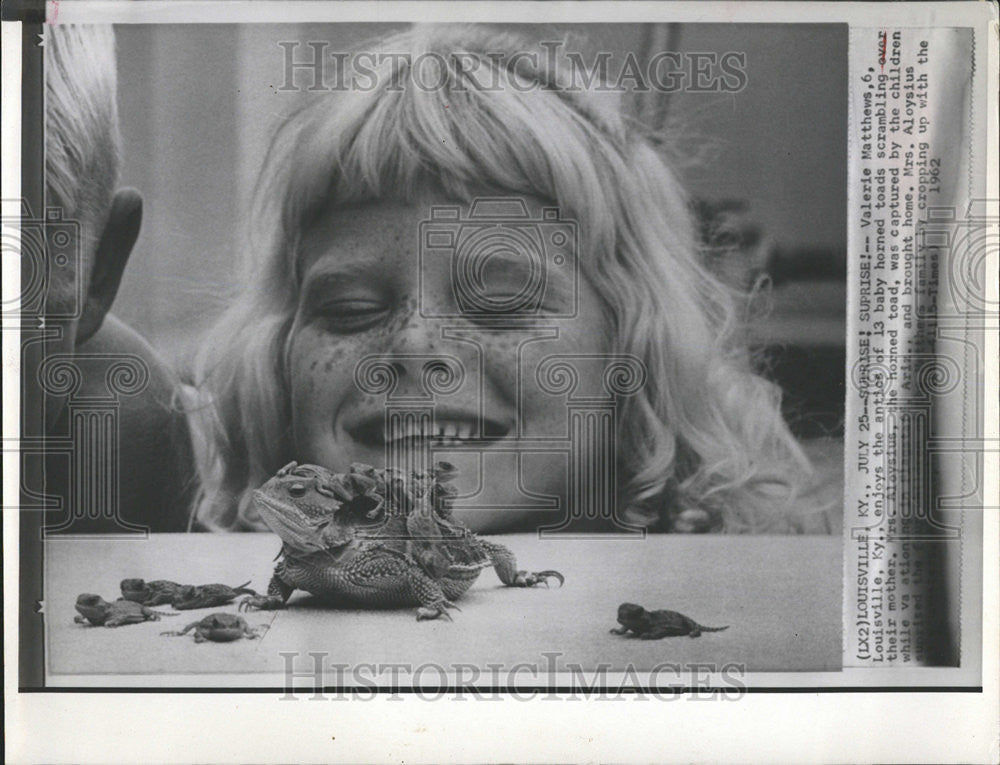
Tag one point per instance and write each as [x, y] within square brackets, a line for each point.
[261, 603]
[529, 579]
[436, 611]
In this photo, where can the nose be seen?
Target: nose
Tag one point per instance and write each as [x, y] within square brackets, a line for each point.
[414, 361]
[414, 351]
[416, 334]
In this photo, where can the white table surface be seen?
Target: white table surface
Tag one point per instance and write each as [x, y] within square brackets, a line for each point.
[780, 596]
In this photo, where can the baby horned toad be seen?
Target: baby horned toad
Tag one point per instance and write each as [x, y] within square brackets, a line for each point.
[192, 596]
[97, 611]
[653, 625]
[221, 628]
[154, 593]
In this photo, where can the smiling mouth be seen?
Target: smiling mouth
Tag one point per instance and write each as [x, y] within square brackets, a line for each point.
[376, 431]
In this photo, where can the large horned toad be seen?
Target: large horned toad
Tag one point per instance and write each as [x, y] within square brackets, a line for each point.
[376, 538]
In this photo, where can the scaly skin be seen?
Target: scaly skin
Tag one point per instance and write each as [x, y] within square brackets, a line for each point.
[183, 597]
[154, 593]
[98, 612]
[377, 539]
[220, 628]
[653, 625]
[207, 595]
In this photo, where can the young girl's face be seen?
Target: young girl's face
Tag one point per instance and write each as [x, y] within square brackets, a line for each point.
[366, 290]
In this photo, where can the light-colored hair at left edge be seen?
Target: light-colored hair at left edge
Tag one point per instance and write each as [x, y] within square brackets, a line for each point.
[82, 140]
[705, 437]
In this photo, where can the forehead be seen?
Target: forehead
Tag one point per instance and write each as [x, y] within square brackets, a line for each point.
[361, 232]
[383, 231]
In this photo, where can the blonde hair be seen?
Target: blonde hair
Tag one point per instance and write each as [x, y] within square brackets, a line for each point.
[82, 141]
[703, 446]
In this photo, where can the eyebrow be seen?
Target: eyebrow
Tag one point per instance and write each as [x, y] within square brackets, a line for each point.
[342, 270]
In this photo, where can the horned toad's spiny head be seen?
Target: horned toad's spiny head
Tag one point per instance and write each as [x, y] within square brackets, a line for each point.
[310, 507]
[630, 614]
[133, 585]
[222, 620]
[92, 607]
[312, 493]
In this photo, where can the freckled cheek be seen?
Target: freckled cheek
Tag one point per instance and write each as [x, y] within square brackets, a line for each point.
[544, 414]
[321, 376]
[435, 298]
[499, 353]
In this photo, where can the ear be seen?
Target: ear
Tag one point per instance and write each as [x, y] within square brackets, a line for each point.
[113, 250]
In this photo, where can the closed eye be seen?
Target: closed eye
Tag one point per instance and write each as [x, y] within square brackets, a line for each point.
[351, 315]
[345, 302]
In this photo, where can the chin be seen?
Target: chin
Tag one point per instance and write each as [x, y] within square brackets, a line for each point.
[500, 467]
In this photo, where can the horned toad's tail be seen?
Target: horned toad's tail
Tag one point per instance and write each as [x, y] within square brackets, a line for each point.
[242, 589]
[712, 629]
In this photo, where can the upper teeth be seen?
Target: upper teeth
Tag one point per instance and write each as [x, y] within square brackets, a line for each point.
[446, 429]
[449, 429]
